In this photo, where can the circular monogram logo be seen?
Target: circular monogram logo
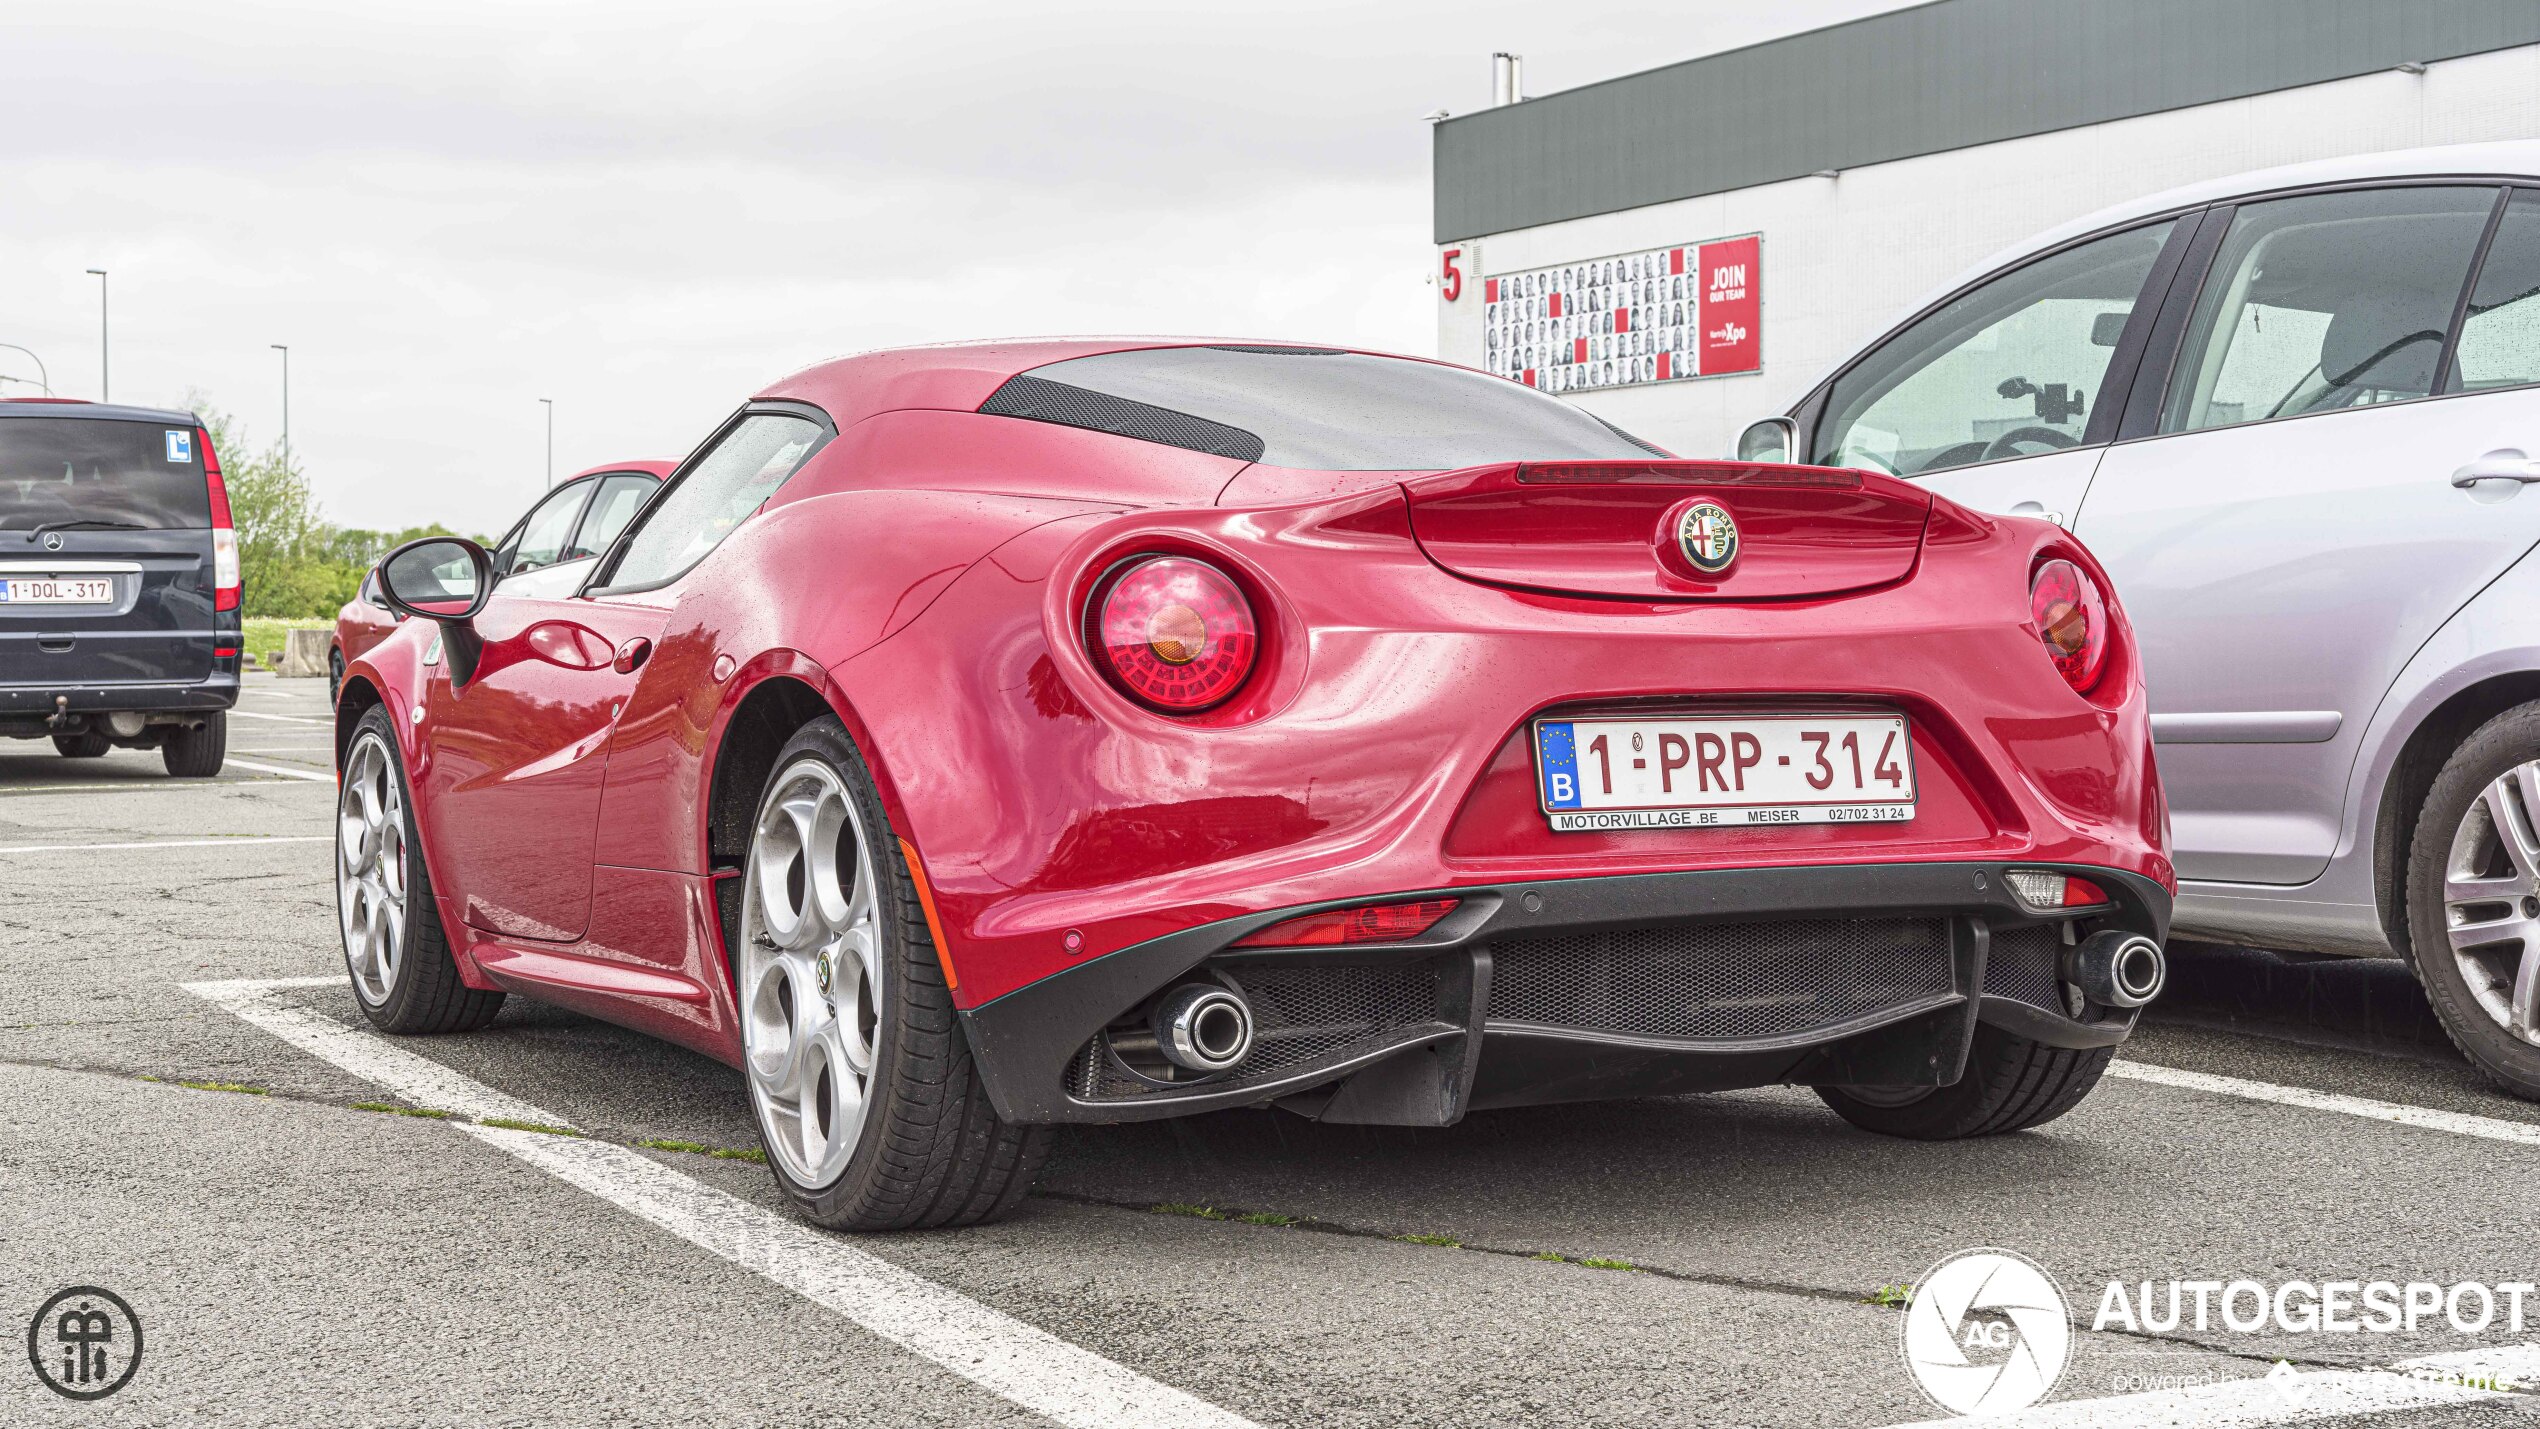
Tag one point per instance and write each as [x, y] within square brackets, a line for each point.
[1707, 534]
[52, 540]
[1987, 1332]
[85, 1343]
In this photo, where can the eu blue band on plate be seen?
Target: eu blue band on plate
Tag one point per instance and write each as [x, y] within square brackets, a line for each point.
[1557, 765]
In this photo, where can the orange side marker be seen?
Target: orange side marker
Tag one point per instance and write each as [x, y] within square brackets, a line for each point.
[934, 923]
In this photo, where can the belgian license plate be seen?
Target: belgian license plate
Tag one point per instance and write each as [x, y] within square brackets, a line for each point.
[58, 590]
[1727, 772]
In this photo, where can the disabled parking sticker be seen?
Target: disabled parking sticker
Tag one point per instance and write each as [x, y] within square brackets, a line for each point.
[180, 446]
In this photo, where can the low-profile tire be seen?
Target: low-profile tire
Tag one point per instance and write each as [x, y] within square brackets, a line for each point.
[2011, 1084]
[834, 968]
[87, 744]
[2474, 899]
[197, 753]
[399, 960]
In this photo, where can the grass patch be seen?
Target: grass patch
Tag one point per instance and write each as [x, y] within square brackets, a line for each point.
[1267, 1218]
[507, 1124]
[1599, 1262]
[1555, 1258]
[1893, 1296]
[240, 1088]
[392, 1109]
[265, 632]
[1185, 1208]
[699, 1148]
[1448, 1241]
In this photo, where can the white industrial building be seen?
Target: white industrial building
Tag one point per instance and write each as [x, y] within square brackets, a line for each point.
[1872, 162]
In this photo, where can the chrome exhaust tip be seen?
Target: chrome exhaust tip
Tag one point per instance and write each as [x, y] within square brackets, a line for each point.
[1203, 1027]
[2117, 969]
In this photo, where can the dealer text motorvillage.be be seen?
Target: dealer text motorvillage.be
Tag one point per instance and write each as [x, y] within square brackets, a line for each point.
[2342, 1307]
[1570, 821]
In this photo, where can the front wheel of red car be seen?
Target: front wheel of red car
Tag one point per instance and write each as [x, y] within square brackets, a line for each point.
[394, 946]
[2011, 1084]
[867, 1100]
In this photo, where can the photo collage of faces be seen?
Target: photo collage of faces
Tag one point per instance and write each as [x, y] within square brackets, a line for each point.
[1660, 315]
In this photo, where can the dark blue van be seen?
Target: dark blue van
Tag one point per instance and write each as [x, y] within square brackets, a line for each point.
[119, 589]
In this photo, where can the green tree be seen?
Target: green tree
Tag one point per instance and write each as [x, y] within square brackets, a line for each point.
[292, 564]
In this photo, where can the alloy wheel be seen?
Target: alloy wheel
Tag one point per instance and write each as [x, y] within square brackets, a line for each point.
[811, 982]
[2491, 900]
[370, 868]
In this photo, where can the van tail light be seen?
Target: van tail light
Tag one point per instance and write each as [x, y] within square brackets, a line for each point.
[1175, 633]
[225, 582]
[2072, 619]
[1343, 927]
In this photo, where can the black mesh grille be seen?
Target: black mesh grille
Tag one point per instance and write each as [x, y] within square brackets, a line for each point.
[1721, 981]
[1301, 1015]
[2020, 963]
[1039, 400]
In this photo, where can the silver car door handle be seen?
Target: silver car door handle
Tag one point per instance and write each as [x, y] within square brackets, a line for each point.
[2505, 465]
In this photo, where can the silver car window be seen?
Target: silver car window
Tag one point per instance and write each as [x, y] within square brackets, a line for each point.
[2324, 302]
[2500, 339]
[2009, 368]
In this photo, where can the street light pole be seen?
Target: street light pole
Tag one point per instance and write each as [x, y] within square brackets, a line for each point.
[285, 350]
[550, 404]
[44, 378]
[105, 371]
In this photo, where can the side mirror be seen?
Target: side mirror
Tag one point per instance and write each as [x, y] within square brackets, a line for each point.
[446, 580]
[1774, 440]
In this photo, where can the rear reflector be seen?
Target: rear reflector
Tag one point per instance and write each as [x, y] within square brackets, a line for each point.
[1383, 923]
[1681, 473]
[2045, 891]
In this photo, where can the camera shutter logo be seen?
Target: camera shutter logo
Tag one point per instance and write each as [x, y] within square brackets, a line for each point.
[85, 1343]
[1987, 1332]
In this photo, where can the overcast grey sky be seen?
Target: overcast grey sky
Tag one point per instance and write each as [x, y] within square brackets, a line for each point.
[648, 210]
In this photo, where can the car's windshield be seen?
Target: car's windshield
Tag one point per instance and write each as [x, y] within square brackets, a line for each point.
[58, 470]
[1312, 408]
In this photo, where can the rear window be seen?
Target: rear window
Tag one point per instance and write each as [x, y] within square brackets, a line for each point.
[145, 474]
[1311, 408]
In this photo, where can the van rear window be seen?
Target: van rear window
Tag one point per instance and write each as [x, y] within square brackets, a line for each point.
[145, 474]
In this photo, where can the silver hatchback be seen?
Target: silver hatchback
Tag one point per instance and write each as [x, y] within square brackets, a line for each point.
[2295, 414]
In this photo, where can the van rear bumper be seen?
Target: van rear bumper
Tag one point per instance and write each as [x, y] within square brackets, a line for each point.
[24, 709]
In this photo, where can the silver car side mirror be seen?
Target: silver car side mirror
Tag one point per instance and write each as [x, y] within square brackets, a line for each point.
[1774, 439]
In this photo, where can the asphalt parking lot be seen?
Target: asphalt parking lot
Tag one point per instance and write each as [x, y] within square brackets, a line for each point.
[297, 1258]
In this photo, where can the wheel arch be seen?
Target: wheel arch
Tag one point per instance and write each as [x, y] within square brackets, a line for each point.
[2420, 757]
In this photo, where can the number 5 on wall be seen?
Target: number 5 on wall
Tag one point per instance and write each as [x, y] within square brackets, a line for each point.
[1451, 278]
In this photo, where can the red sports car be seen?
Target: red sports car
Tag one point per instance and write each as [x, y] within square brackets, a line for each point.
[974, 738]
[569, 526]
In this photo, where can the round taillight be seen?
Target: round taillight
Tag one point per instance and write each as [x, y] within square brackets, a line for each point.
[1176, 633]
[2072, 618]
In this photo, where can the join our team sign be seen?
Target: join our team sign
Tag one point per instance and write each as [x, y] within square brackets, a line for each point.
[1659, 315]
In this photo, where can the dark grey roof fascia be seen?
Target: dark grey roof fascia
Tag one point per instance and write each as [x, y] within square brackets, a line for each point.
[1924, 80]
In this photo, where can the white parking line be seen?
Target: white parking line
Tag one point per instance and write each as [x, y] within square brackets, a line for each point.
[2458, 1123]
[242, 839]
[327, 778]
[1016, 1361]
[278, 719]
[2305, 1397]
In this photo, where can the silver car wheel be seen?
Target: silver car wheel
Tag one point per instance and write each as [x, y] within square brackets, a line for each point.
[811, 982]
[370, 868]
[2491, 900]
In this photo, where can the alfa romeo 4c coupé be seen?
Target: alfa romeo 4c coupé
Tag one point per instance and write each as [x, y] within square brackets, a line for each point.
[972, 739]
